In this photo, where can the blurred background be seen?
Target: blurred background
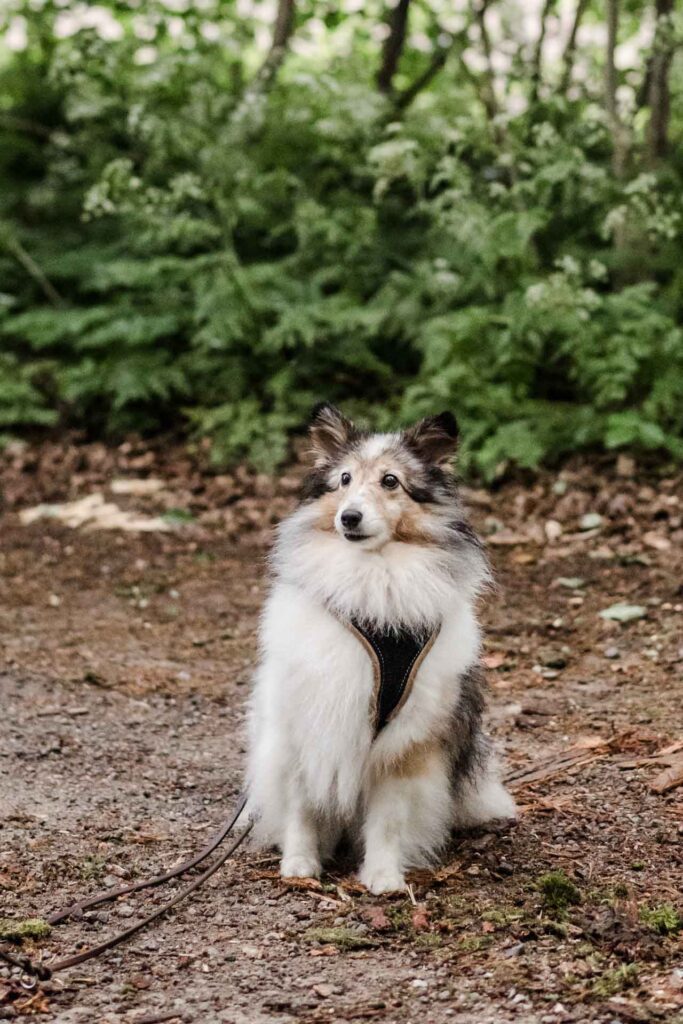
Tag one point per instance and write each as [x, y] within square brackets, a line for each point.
[214, 213]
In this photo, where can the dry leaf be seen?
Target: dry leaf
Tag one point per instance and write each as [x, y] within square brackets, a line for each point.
[420, 919]
[670, 778]
[377, 919]
[494, 660]
[94, 513]
[137, 487]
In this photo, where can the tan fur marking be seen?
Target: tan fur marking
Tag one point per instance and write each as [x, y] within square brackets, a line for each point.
[327, 506]
[410, 528]
[416, 760]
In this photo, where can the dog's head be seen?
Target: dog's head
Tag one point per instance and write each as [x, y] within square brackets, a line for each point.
[374, 488]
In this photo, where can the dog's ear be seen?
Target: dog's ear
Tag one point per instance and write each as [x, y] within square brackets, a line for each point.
[330, 432]
[434, 439]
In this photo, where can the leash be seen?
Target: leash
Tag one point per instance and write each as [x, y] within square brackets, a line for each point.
[44, 973]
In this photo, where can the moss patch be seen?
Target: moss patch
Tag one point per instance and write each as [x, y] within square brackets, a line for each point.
[612, 982]
[17, 931]
[664, 920]
[558, 893]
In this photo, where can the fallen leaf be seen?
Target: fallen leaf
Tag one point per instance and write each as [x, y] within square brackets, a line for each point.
[494, 660]
[506, 538]
[670, 778]
[420, 919]
[94, 513]
[524, 558]
[377, 919]
[137, 487]
[448, 871]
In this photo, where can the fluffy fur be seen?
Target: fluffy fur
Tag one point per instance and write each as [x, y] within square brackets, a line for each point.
[380, 536]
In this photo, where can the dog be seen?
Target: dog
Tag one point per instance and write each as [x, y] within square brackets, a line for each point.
[366, 710]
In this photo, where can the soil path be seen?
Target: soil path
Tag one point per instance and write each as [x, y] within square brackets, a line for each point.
[125, 665]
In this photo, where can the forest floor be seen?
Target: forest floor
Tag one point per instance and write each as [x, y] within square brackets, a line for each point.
[125, 666]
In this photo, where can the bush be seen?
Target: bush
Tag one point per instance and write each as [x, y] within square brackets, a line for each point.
[185, 246]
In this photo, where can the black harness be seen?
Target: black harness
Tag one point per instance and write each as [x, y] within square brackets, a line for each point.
[396, 656]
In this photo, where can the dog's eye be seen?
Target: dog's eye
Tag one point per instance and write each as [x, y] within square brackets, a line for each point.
[345, 479]
[390, 481]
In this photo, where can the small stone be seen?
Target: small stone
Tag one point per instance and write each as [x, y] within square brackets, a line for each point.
[571, 582]
[591, 521]
[553, 530]
[622, 612]
[125, 910]
[515, 950]
[54, 601]
[612, 652]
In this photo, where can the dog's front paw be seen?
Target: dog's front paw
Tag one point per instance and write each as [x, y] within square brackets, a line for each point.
[300, 866]
[379, 880]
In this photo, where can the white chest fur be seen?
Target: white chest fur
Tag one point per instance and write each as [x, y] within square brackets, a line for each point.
[314, 695]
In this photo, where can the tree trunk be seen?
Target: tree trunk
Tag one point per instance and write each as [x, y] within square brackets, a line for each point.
[658, 87]
[618, 133]
[393, 46]
[610, 68]
[282, 30]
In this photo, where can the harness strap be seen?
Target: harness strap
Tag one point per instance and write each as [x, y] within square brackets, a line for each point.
[396, 656]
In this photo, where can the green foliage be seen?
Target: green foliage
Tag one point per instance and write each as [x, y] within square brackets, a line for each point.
[184, 246]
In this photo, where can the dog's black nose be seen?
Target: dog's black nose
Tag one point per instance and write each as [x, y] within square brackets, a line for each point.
[350, 519]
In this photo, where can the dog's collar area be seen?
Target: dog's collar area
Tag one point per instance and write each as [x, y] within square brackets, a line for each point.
[396, 656]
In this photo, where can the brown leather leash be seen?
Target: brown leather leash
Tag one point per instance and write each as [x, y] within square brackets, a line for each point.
[43, 972]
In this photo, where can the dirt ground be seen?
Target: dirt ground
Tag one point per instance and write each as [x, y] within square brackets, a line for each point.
[124, 671]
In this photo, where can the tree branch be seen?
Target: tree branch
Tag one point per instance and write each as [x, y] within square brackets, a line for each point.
[537, 62]
[438, 60]
[570, 48]
[489, 98]
[14, 246]
[393, 46]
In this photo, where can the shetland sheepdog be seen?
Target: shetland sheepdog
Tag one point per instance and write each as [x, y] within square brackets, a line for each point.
[365, 718]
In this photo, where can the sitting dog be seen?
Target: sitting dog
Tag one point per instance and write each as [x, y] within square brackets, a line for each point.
[367, 705]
